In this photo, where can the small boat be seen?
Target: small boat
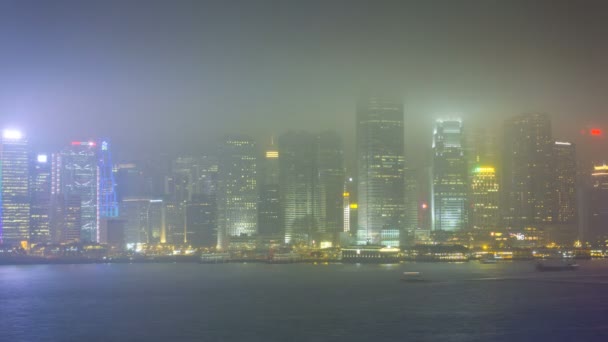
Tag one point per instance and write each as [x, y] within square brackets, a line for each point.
[488, 260]
[555, 266]
[412, 277]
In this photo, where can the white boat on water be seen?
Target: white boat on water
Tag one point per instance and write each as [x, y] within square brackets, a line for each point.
[412, 277]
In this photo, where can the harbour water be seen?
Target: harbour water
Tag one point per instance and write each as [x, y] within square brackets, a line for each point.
[470, 301]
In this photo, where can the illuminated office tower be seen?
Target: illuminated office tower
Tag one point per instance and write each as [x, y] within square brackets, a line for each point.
[108, 203]
[528, 171]
[330, 165]
[269, 216]
[565, 182]
[40, 198]
[237, 190]
[380, 166]
[449, 183]
[144, 220]
[484, 198]
[300, 191]
[14, 193]
[597, 232]
[75, 173]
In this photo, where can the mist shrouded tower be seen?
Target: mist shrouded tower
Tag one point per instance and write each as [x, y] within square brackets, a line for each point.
[108, 205]
[14, 196]
[380, 166]
[449, 183]
[237, 190]
[527, 171]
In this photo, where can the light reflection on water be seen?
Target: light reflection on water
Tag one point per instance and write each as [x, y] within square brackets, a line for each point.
[261, 302]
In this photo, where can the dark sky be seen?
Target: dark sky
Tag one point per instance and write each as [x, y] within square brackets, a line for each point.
[175, 75]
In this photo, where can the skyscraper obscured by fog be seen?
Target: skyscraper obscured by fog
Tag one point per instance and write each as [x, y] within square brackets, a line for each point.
[380, 168]
[528, 171]
[565, 182]
[330, 160]
[301, 194]
[40, 198]
[75, 174]
[269, 216]
[449, 183]
[237, 190]
[484, 198]
[14, 193]
[597, 232]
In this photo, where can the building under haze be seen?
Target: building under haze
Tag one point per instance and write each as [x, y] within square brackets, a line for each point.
[40, 198]
[144, 220]
[484, 198]
[302, 196]
[14, 190]
[269, 207]
[107, 201]
[449, 202]
[330, 164]
[380, 168]
[75, 173]
[597, 232]
[237, 189]
[565, 183]
[528, 172]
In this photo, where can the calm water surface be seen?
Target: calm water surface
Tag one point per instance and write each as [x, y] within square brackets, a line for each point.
[259, 302]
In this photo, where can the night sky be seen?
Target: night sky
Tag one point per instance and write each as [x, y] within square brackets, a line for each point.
[169, 76]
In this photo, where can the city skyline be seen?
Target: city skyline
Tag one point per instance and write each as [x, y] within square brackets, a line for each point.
[205, 71]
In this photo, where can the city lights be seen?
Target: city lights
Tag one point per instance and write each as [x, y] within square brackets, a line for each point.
[11, 134]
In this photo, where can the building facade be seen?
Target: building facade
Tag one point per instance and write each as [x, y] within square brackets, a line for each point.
[40, 198]
[449, 182]
[484, 199]
[380, 168]
[14, 189]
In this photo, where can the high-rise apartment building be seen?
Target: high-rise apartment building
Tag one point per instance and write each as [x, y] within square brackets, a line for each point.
[380, 168]
[449, 202]
[528, 175]
[237, 189]
[14, 190]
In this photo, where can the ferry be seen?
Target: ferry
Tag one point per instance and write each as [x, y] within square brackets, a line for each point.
[412, 277]
[556, 265]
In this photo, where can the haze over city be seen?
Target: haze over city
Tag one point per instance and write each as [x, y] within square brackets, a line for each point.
[174, 76]
[315, 170]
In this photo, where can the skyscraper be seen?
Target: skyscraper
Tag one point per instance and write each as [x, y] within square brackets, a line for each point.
[597, 232]
[330, 164]
[565, 182]
[75, 173]
[237, 191]
[484, 198]
[449, 195]
[107, 201]
[528, 171]
[380, 166]
[269, 216]
[40, 198]
[301, 195]
[14, 192]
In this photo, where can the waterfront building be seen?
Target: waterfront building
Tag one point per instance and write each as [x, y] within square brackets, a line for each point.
[449, 182]
[237, 189]
[528, 172]
[75, 174]
[597, 232]
[565, 183]
[269, 216]
[380, 166]
[484, 198]
[40, 198]
[14, 189]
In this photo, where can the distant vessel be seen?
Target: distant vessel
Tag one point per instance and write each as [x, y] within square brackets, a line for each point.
[413, 277]
[490, 259]
[556, 265]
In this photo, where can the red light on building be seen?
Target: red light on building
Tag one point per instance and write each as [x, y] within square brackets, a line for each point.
[76, 143]
[595, 132]
[424, 206]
